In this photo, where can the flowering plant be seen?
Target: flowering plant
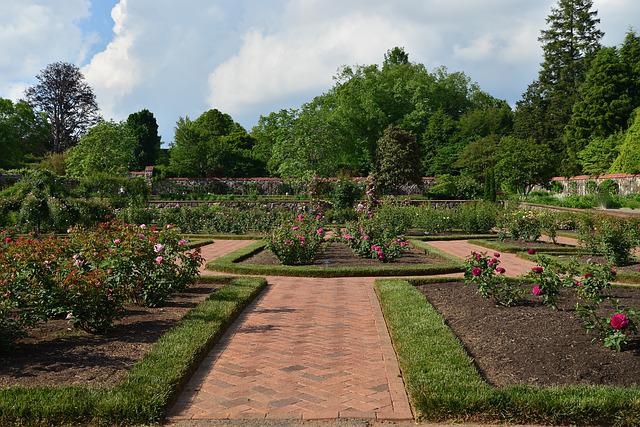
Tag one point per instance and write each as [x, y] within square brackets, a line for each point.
[298, 241]
[549, 278]
[521, 224]
[368, 239]
[613, 329]
[488, 276]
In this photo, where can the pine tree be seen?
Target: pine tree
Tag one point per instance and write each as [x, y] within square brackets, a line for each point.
[630, 55]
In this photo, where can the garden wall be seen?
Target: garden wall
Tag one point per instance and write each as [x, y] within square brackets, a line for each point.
[577, 185]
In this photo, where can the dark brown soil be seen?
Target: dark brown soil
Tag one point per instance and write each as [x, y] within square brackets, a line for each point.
[532, 344]
[631, 268]
[337, 254]
[55, 354]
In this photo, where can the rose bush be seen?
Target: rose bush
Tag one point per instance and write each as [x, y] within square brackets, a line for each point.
[488, 276]
[298, 241]
[87, 276]
[521, 224]
[614, 328]
[368, 238]
[549, 278]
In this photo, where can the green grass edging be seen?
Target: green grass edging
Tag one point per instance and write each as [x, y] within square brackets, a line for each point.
[444, 385]
[151, 385]
[461, 236]
[230, 263]
[224, 236]
[505, 247]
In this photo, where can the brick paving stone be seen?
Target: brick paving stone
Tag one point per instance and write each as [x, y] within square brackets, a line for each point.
[307, 348]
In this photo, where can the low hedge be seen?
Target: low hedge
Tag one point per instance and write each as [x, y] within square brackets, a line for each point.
[506, 247]
[151, 385]
[444, 385]
[230, 263]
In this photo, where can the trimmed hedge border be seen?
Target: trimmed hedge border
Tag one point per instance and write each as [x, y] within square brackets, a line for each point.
[152, 384]
[224, 236]
[230, 263]
[504, 247]
[460, 236]
[444, 385]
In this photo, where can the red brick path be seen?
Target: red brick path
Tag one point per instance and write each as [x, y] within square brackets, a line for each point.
[308, 348]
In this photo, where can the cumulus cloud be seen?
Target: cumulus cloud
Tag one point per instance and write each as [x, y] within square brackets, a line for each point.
[35, 33]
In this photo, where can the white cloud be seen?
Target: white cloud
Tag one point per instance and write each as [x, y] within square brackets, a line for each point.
[35, 33]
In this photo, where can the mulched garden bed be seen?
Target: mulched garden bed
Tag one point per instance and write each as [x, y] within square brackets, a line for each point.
[337, 254]
[532, 344]
[55, 354]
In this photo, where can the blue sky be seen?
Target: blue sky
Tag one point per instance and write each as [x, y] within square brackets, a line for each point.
[251, 57]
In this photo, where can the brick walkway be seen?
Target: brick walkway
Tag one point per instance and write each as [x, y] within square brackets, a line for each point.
[308, 348]
[514, 265]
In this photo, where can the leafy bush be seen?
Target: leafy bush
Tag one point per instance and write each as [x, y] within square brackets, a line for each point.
[485, 273]
[615, 238]
[521, 224]
[297, 242]
[121, 191]
[370, 238]
[476, 217]
[89, 275]
[549, 278]
[345, 193]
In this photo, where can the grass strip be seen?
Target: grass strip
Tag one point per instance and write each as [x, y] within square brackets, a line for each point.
[224, 236]
[151, 385]
[444, 385]
[505, 247]
[231, 263]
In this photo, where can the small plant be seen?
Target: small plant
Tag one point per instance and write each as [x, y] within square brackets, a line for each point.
[549, 278]
[613, 329]
[521, 225]
[591, 286]
[613, 238]
[370, 239]
[298, 242]
[345, 193]
[488, 276]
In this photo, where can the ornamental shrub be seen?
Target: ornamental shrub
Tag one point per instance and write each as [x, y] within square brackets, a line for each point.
[476, 217]
[549, 278]
[487, 275]
[345, 193]
[370, 238]
[299, 241]
[615, 238]
[521, 224]
[614, 329]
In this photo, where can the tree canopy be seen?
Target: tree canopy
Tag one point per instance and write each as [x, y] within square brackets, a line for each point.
[145, 129]
[23, 132]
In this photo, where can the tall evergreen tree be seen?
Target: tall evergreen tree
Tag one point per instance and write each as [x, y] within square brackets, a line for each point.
[569, 43]
[143, 124]
[630, 55]
[604, 103]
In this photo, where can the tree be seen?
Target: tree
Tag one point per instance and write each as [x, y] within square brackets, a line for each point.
[145, 128]
[108, 147]
[522, 163]
[628, 161]
[22, 132]
[604, 102]
[596, 158]
[213, 145]
[398, 159]
[479, 157]
[630, 55]
[68, 102]
[439, 144]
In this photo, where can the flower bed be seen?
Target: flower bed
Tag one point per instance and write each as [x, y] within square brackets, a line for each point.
[297, 242]
[87, 276]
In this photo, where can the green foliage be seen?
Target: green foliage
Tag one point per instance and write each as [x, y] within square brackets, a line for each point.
[345, 193]
[521, 224]
[371, 238]
[213, 145]
[108, 147]
[480, 156]
[485, 273]
[489, 194]
[599, 154]
[55, 163]
[628, 161]
[144, 127]
[398, 160]
[121, 191]
[522, 164]
[22, 132]
[460, 187]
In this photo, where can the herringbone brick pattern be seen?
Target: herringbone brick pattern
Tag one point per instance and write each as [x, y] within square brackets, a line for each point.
[307, 348]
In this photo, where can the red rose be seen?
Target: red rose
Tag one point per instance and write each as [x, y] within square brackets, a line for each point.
[496, 254]
[537, 269]
[500, 270]
[537, 290]
[531, 251]
[588, 275]
[619, 321]
[476, 271]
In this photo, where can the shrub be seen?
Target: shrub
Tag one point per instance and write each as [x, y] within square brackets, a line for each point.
[398, 159]
[613, 329]
[370, 238]
[121, 191]
[345, 193]
[521, 224]
[297, 242]
[486, 274]
[476, 217]
[615, 238]
[549, 278]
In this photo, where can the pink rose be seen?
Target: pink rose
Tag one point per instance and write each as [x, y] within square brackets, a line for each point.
[141, 236]
[7, 240]
[182, 242]
[365, 237]
[478, 257]
[531, 251]
[588, 275]
[537, 290]
[300, 217]
[494, 260]
[537, 269]
[117, 241]
[476, 271]
[143, 226]
[500, 270]
[318, 217]
[491, 264]
[320, 231]
[158, 248]
[296, 228]
[619, 321]
[159, 260]
[403, 244]
[496, 254]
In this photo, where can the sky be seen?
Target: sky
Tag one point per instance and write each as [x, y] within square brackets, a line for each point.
[251, 57]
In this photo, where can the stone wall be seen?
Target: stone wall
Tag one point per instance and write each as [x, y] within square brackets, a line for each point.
[578, 185]
[8, 179]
